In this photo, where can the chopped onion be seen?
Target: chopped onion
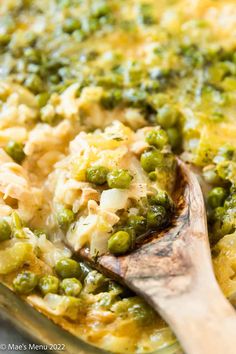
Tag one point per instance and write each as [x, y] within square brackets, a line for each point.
[80, 232]
[114, 199]
[51, 253]
[58, 305]
[98, 244]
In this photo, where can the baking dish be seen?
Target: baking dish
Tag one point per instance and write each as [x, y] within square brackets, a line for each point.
[42, 331]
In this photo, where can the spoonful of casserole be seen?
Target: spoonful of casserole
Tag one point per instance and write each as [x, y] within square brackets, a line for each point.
[172, 270]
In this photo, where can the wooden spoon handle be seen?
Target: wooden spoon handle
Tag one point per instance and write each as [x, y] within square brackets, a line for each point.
[204, 323]
[193, 305]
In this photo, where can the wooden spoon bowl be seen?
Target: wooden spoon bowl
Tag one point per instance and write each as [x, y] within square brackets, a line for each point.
[172, 270]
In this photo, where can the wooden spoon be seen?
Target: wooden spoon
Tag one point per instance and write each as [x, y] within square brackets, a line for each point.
[173, 272]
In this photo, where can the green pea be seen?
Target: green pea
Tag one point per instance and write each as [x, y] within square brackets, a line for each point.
[111, 99]
[119, 179]
[15, 150]
[157, 138]
[54, 79]
[152, 159]
[53, 65]
[71, 24]
[174, 136]
[5, 230]
[68, 268]
[32, 55]
[4, 39]
[110, 80]
[156, 216]
[140, 311]
[48, 284]
[25, 282]
[136, 308]
[161, 198]
[106, 301]
[42, 99]
[34, 83]
[138, 223]
[216, 197]
[97, 174]
[152, 176]
[167, 116]
[132, 233]
[100, 9]
[64, 217]
[119, 243]
[71, 286]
